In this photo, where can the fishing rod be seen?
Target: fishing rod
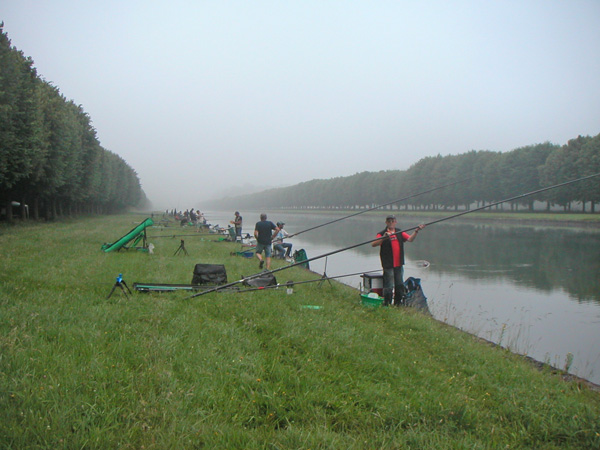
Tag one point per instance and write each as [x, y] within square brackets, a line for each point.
[233, 283]
[380, 206]
[294, 283]
[334, 252]
[372, 208]
[199, 233]
[517, 197]
[420, 264]
[180, 235]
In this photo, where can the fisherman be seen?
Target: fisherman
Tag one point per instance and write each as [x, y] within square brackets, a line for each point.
[282, 249]
[237, 222]
[391, 252]
[263, 232]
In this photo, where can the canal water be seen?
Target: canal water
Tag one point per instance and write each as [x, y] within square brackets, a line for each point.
[534, 290]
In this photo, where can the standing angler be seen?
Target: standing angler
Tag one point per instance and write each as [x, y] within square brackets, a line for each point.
[263, 232]
[391, 252]
[237, 222]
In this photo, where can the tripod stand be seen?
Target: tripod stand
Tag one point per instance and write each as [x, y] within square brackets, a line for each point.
[181, 249]
[119, 283]
[324, 276]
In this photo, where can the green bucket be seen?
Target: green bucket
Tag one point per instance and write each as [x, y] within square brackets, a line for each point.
[374, 302]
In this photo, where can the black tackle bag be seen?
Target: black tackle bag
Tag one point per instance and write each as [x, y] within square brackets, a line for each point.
[265, 279]
[209, 274]
[414, 295]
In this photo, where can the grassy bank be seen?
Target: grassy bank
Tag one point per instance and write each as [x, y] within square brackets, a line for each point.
[256, 370]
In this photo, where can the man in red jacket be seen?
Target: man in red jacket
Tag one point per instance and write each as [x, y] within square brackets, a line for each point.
[391, 252]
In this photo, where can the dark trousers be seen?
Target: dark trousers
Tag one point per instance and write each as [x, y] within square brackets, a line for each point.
[393, 284]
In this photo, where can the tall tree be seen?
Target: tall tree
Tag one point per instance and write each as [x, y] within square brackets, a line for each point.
[561, 166]
[589, 164]
[19, 118]
[522, 173]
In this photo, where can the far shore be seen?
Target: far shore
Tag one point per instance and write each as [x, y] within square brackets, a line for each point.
[575, 219]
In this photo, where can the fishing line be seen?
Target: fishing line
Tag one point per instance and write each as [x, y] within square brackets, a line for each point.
[379, 206]
[357, 213]
[334, 252]
[537, 191]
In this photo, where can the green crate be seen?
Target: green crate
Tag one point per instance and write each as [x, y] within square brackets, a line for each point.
[374, 302]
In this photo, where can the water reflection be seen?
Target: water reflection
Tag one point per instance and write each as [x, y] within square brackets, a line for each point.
[545, 259]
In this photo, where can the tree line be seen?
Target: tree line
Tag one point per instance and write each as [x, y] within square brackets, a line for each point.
[50, 156]
[483, 176]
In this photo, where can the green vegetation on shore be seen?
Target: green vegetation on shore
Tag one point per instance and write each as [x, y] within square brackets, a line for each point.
[515, 216]
[457, 181]
[255, 370]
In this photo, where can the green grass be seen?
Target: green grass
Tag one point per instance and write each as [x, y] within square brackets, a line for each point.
[246, 371]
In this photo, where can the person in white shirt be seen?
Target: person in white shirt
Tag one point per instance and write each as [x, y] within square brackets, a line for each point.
[282, 249]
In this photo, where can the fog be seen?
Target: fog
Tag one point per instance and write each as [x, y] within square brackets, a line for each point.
[205, 99]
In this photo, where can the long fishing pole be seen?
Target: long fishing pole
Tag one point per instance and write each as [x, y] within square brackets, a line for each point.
[333, 252]
[421, 264]
[380, 206]
[369, 209]
[294, 283]
[224, 286]
[201, 233]
[180, 235]
[517, 197]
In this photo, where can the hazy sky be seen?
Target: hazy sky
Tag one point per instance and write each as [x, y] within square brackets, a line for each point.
[200, 97]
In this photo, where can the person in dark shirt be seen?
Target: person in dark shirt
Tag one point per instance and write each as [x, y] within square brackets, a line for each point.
[391, 252]
[264, 232]
[237, 223]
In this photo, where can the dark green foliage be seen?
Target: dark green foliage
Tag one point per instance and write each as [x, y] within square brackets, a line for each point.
[49, 152]
[486, 177]
[19, 120]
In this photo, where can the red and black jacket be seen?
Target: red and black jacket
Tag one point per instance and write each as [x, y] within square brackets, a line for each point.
[385, 250]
